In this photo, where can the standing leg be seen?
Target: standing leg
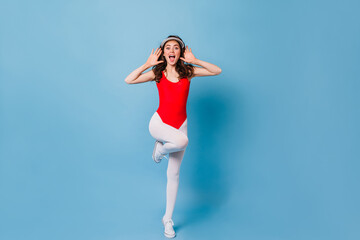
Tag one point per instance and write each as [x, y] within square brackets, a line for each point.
[173, 171]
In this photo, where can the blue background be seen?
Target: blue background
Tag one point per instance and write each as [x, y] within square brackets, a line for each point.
[273, 140]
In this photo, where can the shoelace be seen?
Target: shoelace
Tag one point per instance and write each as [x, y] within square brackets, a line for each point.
[169, 221]
[164, 156]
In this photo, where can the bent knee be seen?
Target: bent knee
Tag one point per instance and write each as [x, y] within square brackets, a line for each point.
[182, 142]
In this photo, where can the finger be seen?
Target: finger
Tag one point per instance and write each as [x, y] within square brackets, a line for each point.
[190, 50]
[152, 51]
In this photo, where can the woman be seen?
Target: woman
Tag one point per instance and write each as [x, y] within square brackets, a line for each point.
[168, 125]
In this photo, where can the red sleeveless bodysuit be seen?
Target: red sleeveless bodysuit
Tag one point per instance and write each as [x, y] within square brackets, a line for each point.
[173, 98]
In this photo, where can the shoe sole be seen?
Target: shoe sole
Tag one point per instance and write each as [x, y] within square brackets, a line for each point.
[169, 236]
[153, 156]
[166, 234]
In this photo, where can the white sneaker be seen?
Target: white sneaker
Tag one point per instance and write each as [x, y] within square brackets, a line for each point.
[169, 230]
[157, 156]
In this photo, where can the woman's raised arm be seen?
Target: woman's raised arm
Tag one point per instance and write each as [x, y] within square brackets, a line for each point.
[137, 76]
[206, 69]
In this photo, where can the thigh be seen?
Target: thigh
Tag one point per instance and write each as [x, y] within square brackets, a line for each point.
[183, 127]
[164, 132]
[175, 158]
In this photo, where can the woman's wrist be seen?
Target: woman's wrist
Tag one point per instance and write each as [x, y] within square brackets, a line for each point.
[196, 61]
[146, 66]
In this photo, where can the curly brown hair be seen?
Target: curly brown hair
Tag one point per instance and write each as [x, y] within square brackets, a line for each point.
[184, 70]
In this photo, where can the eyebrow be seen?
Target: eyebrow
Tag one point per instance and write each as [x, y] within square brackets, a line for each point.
[176, 44]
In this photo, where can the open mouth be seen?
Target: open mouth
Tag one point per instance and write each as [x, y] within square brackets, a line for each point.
[172, 58]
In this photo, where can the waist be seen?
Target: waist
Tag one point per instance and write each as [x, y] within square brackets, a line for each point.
[175, 119]
[168, 110]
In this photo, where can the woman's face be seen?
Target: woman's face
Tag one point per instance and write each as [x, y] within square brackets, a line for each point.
[172, 52]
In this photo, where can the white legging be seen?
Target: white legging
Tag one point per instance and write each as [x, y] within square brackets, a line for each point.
[174, 142]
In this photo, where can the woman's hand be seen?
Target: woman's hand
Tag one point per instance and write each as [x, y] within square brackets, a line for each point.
[153, 58]
[189, 56]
